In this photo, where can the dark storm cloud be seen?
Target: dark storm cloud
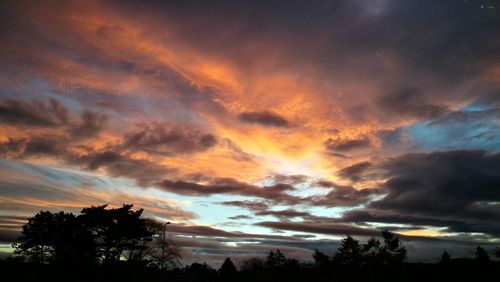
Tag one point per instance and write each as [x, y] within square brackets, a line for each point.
[320, 228]
[443, 183]
[447, 40]
[168, 139]
[355, 171]
[454, 189]
[335, 145]
[410, 102]
[265, 118]
[34, 113]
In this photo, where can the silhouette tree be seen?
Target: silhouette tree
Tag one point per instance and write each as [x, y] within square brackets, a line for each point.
[393, 250]
[320, 258]
[35, 241]
[253, 264]
[482, 255]
[161, 253]
[118, 232]
[201, 272]
[227, 271]
[445, 258]
[275, 259]
[497, 252]
[96, 235]
[55, 237]
[291, 264]
[349, 252]
[371, 252]
[71, 242]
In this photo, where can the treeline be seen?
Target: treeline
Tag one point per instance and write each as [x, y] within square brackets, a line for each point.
[118, 244]
[96, 236]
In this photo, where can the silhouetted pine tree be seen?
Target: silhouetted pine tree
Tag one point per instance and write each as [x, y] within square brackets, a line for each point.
[227, 271]
[275, 259]
[482, 255]
[393, 250]
[371, 252]
[320, 258]
[445, 257]
[349, 252]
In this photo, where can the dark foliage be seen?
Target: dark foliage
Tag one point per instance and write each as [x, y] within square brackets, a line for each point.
[445, 258]
[97, 236]
[227, 271]
[482, 255]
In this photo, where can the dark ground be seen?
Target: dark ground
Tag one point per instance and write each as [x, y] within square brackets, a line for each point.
[455, 270]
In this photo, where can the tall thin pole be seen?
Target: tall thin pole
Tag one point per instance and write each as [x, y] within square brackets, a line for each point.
[163, 244]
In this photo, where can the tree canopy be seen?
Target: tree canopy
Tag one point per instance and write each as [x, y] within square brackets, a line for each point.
[97, 235]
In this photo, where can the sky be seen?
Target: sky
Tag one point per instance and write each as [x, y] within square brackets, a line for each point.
[253, 125]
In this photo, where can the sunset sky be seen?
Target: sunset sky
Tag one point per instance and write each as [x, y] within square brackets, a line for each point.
[253, 125]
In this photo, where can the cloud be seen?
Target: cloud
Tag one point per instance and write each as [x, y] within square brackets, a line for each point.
[354, 172]
[29, 188]
[343, 196]
[34, 113]
[10, 227]
[167, 139]
[199, 230]
[472, 127]
[265, 118]
[143, 171]
[285, 214]
[34, 146]
[251, 205]
[9, 235]
[320, 228]
[457, 180]
[240, 216]
[115, 163]
[410, 103]
[91, 124]
[276, 192]
[335, 145]
[289, 179]
[457, 189]
[51, 114]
